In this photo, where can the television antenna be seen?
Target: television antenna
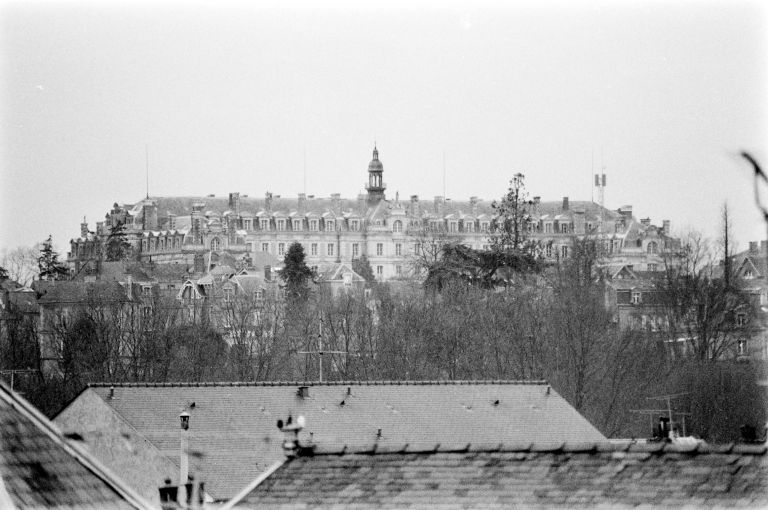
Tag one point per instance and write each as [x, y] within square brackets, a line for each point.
[320, 352]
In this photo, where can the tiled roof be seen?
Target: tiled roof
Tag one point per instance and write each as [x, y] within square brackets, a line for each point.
[538, 475]
[233, 426]
[39, 469]
[252, 206]
[68, 292]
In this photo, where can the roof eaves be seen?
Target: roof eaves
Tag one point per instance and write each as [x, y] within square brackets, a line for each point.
[79, 454]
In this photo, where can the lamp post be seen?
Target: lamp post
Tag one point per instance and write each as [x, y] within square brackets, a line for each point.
[184, 458]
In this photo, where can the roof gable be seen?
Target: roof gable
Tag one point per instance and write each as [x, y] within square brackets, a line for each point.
[40, 469]
[233, 425]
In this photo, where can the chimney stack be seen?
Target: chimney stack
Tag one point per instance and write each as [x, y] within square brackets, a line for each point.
[439, 201]
[336, 203]
[234, 202]
[645, 221]
[268, 201]
[84, 229]
[414, 206]
[565, 203]
[473, 205]
[302, 203]
[290, 430]
[763, 246]
[753, 247]
[665, 227]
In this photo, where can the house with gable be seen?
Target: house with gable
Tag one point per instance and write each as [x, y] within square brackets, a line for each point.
[43, 469]
[134, 428]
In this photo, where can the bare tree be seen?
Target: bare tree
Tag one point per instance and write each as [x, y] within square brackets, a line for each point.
[21, 264]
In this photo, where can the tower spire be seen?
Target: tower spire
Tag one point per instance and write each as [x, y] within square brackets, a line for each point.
[375, 186]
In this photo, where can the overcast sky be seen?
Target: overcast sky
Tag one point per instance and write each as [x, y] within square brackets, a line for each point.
[230, 98]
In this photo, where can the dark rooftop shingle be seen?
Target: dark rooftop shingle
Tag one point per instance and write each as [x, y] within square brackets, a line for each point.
[38, 469]
[550, 475]
[234, 426]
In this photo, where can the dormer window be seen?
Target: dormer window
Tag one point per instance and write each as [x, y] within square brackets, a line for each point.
[548, 228]
[281, 225]
[247, 224]
[484, 226]
[354, 225]
[653, 247]
[264, 224]
[453, 226]
[637, 297]
[748, 274]
[330, 225]
[215, 244]
[397, 226]
[296, 225]
[313, 225]
[469, 226]
[563, 228]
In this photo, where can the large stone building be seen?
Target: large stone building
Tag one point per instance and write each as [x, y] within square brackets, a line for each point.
[336, 230]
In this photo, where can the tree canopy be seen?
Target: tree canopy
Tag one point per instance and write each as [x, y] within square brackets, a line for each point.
[295, 273]
[48, 262]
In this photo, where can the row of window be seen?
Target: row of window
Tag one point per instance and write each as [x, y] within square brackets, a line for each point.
[330, 249]
[161, 244]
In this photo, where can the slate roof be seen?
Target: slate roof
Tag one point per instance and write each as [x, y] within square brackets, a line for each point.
[538, 475]
[288, 206]
[233, 425]
[40, 469]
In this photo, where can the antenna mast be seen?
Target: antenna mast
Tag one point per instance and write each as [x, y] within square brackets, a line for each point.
[444, 188]
[146, 154]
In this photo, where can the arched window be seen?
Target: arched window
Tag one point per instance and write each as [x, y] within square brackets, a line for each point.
[397, 226]
[653, 247]
[215, 244]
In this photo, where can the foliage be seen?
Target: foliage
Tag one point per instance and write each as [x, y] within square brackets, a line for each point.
[48, 262]
[295, 273]
[118, 247]
[509, 229]
[3, 273]
[484, 268]
[362, 266]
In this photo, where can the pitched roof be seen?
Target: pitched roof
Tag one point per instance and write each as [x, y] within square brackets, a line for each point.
[40, 469]
[233, 425]
[602, 474]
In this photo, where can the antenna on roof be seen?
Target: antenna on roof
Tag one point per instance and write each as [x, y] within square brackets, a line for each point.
[305, 169]
[146, 154]
[444, 195]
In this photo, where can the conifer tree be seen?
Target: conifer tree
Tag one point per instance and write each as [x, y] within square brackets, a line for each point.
[362, 266]
[118, 247]
[296, 273]
[48, 262]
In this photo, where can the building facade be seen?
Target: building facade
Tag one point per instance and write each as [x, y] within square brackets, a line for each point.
[333, 230]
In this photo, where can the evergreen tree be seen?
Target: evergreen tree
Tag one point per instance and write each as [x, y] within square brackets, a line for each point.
[296, 273]
[362, 266]
[48, 262]
[118, 247]
[3, 273]
[509, 230]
